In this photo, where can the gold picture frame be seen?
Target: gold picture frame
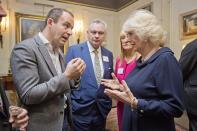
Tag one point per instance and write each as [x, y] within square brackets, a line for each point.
[188, 25]
[27, 26]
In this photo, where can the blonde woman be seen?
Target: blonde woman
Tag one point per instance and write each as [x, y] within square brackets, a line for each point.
[125, 63]
[153, 91]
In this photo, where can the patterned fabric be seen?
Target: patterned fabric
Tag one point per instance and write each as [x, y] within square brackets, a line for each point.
[97, 68]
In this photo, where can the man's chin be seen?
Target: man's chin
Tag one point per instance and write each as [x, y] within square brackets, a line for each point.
[96, 45]
[62, 43]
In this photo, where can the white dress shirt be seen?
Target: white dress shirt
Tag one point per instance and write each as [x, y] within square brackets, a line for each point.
[92, 54]
[54, 54]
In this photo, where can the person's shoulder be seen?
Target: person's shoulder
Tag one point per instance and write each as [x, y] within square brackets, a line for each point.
[27, 43]
[106, 50]
[167, 56]
[165, 51]
[75, 46]
[191, 46]
[192, 43]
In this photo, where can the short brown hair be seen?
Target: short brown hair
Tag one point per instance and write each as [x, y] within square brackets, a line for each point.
[55, 14]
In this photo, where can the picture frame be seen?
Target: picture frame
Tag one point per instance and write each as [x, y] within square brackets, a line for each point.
[27, 26]
[188, 25]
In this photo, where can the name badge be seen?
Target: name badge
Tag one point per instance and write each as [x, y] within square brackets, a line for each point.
[120, 71]
[105, 58]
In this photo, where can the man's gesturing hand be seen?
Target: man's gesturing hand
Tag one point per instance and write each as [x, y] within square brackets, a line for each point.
[75, 68]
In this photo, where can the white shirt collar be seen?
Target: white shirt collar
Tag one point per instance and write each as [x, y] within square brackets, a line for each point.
[45, 41]
[43, 38]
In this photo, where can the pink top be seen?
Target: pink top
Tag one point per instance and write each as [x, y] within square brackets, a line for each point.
[123, 69]
[121, 72]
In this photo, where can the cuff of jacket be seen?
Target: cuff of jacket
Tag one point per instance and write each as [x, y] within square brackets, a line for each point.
[141, 106]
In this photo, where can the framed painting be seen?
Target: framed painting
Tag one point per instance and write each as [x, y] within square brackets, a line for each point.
[188, 25]
[27, 26]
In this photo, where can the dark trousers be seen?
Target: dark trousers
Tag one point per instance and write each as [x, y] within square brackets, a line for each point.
[192, 122]
[66, 126]
[91, 122]
[88, 126]
[4, 124]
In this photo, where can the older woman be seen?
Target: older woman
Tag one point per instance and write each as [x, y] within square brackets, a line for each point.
[153, 90]
[125, 63]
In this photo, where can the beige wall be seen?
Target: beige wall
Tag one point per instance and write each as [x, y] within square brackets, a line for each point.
[28, 7]
[160, 8]
[178, 7]
[167, 11]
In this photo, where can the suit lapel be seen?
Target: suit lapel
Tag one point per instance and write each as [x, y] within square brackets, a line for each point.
[44, 52]
[87, 58]
[105, 63]
[61, 57]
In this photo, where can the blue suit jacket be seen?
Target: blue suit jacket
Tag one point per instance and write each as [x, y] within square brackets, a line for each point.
[89, 95]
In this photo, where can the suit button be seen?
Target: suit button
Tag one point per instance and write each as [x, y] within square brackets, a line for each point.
[142, 111]
[61, 112]
[65, 106]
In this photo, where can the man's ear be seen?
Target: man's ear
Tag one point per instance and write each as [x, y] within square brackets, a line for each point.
[50, 21]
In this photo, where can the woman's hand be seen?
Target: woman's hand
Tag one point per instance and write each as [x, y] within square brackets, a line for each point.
[119, 91]
[130, 97]
[113, 84]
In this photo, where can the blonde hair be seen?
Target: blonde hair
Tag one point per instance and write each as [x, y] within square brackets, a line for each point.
[146, 26]
[122, 35]
[123, 52]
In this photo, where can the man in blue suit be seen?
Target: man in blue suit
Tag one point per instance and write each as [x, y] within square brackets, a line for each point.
[90, 105]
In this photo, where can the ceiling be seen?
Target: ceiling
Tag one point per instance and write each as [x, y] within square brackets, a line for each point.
[113, 5]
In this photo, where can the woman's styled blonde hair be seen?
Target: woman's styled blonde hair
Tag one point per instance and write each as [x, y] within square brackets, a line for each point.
[122, 53]
[146, 26]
